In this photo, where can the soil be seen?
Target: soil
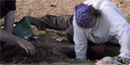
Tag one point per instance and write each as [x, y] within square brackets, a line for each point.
[48, 50]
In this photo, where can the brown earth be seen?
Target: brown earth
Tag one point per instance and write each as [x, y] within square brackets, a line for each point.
[48, 50]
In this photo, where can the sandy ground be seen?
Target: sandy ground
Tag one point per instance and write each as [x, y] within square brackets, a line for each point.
[40, 8]
[48, 50]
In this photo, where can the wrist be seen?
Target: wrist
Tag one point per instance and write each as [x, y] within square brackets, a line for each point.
[81, 57]
[125, 54]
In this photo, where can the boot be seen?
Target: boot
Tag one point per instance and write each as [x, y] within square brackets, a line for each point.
[36, 22]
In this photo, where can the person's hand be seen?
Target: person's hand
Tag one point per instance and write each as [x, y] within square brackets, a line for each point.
[108, 61]
[9, 38]
[28, 46]
[124, 60]
[82, 59]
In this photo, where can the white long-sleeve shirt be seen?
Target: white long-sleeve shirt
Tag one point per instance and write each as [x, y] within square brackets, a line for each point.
[111, 23]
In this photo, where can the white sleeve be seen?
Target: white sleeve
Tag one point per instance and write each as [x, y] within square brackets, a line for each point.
[80, 41]
[119, 28]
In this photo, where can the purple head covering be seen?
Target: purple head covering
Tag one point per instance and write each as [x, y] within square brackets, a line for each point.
[83, 15]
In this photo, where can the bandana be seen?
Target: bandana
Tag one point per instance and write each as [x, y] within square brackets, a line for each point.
[83, 15]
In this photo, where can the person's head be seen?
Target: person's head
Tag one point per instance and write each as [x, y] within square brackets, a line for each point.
[86, 15]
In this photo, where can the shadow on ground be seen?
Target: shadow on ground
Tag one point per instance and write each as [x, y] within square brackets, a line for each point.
[51, 52]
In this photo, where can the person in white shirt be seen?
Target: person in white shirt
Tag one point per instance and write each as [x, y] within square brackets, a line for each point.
[111, 26]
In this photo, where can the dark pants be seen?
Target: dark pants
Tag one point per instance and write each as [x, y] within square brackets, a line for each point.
[60, 23]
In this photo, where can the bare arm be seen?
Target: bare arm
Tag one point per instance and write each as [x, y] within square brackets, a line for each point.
[9, 20]
[7, 37]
